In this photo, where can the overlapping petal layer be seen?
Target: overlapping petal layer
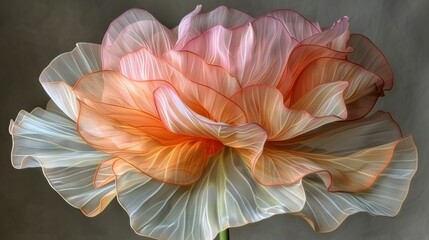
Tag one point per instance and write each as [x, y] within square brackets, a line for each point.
[191, 127]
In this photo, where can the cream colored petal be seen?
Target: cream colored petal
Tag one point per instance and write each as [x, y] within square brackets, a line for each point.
[50, 141]
[64, 71]
[226, 196]
[325, 211]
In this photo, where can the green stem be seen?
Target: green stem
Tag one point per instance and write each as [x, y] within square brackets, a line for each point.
[224, 235]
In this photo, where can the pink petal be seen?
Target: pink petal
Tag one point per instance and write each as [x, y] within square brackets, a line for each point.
[360, 95]
[142, 65]
[195, 23]
[264, 106]
[131, 31]
[297, 25]
[366, 54]
[195, 69]
[247, 139]
[255, 53]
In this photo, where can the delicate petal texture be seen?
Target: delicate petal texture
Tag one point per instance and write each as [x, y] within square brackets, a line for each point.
[264, 105]
[325, 211]
[369, 56]
[131, 31]
[219, 122]
[144, 66]
[329, 35]
[296, 25]
[195, 69]
[348, 155]
[360, 95]
[247, 139]
[64, 71]
[226, 196]
[50, 141]
[245, 52]
[143, 142]
[299, 59]
[196, 23]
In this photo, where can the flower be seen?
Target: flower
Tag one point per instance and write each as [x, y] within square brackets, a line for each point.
[221, 121]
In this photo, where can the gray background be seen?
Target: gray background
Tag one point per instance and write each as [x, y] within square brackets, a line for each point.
[32, 33]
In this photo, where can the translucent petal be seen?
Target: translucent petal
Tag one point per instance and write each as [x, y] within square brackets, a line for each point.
[134, 29]
[361, 94]
[195, 23]
[325, 211]
[247, 139]
[226, 196]
[348, 156]
[265, 107]
[329, 35]
[68, 163]
[366, 54]
[255, 53]
[299, 59]
[65, 70]
[297, 25]
[141, 140]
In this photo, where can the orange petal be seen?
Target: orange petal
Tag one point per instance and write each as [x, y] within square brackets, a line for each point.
[360, 95]
[264, 106]
[248, 139]
[178, 159]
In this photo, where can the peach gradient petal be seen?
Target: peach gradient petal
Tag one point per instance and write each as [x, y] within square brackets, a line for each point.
[299, 59]
[197, 70]
[264, 106]
[131, 31]
[181, 161]
[246, 52]
[247, 139]
[367, 55]
[142, 66]
[361, 94]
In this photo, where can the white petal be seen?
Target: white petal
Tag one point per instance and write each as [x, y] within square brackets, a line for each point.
[50, 141]
[325, 211]
[226, 196]
[64, 71]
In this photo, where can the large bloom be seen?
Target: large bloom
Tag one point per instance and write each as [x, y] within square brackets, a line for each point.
[221, 121]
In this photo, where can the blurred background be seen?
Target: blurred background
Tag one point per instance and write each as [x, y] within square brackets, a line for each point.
[32, 33]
